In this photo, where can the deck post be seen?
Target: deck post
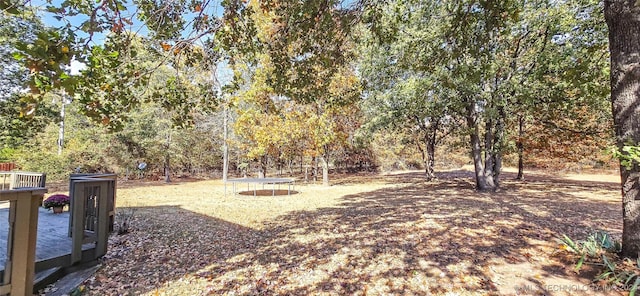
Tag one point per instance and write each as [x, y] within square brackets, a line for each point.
[102, 229]
[21, 249]
[24, 245]
[77, 221]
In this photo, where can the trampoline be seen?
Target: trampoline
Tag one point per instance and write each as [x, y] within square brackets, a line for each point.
[274, 182]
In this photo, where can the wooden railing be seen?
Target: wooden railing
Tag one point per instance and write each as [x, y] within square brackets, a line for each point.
[17, 179]
[92, 212]
[21, 247]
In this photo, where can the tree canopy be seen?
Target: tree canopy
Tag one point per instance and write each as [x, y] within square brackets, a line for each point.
[318, 83]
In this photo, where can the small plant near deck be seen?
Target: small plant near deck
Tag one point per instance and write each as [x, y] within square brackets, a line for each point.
[595, 245]
[56, 200]
[599, 249]
[123, 218]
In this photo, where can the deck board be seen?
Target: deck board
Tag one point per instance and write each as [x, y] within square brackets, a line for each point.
[52, 240]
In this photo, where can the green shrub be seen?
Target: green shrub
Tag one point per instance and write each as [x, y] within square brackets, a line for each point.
[57, 167]
[7, 154]
[601, 250]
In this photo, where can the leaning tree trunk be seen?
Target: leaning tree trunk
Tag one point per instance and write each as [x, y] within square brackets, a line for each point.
[623, 20]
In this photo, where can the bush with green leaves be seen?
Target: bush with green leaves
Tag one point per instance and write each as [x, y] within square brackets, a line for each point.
[629, 155]
[34, 159]
[600, 249]
[6, 154]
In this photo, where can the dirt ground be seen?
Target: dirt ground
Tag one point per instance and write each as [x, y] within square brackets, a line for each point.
[392, 234]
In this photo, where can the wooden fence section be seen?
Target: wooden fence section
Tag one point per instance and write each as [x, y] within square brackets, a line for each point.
[7, 166]
[92, 212]
[21, 248]
[17, 179]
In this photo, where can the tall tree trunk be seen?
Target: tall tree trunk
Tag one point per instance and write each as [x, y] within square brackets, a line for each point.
[430, 156]
[498, 140]
[430, 167]
[489, 155]
[315, 169]
[476, 150]
[430, 136]
[623, 20]
[325, 167]
[167, 156]
[263, 167]
[63, 100]
[520, 146]
[225, 145]
[279, 167]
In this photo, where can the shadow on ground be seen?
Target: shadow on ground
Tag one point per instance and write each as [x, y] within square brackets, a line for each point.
[416, 238]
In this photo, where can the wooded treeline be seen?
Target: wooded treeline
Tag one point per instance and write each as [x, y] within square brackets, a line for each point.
[307, 86]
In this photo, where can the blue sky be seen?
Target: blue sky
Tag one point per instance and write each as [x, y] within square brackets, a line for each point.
[99, 37]
[138, 26]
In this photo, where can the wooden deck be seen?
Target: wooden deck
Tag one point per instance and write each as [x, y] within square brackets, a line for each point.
[52, 240]
[40, 244]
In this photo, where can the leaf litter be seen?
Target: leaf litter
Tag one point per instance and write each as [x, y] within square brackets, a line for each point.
[370, 235]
